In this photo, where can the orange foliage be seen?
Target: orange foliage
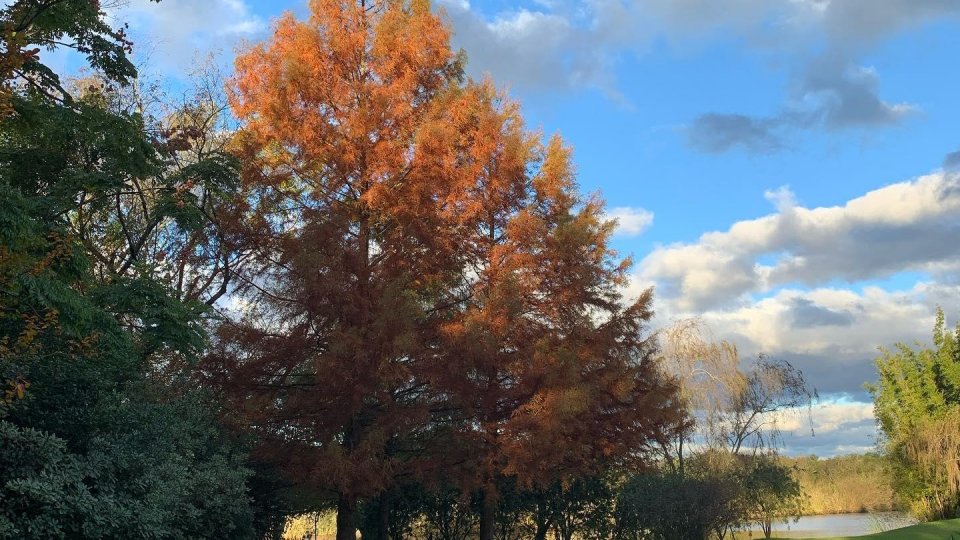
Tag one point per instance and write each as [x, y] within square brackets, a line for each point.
[429, 287]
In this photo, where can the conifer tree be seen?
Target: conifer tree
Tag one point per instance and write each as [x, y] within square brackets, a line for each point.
[430, 294]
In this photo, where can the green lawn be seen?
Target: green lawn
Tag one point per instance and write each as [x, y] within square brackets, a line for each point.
[939, 530]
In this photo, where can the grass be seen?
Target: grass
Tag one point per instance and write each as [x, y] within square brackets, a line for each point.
[948, 529]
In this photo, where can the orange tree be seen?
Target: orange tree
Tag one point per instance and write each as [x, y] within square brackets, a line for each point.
[545, 360]
[425, 280]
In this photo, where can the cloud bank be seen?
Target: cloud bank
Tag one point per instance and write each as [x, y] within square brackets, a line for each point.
[568, 44]
[910, 226]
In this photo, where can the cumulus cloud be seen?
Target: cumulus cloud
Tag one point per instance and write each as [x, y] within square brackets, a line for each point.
[541, 50]
[831, 333]
[846, 95]
[864, 21]
[900, 227]
[630, 221]
[827, 428]
[834, 416]
[822, 288]
[830, 90]
[807, 314]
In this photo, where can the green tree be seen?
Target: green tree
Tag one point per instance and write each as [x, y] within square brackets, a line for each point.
[670, 506]
[917, 404]
[770, 493]
[94, 442]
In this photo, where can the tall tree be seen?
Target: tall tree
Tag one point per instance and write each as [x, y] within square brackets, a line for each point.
[917, 404]
[354, 185]
[552, 368]
[425, 270]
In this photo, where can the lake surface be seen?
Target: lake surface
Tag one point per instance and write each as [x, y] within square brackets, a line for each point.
[835, 525]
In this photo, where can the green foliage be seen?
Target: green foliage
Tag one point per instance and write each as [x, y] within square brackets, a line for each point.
[582, 507]
[26, 26]
[770, 492]
[146, 470]
[719, 492]
[101, 434]
[671, 506]
[916, 400]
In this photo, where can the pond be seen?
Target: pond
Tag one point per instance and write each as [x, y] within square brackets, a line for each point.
[835, 525]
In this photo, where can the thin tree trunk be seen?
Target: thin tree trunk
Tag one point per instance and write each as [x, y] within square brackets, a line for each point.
[488, 513]
[680, 457]
[346, 517]
[383, 516]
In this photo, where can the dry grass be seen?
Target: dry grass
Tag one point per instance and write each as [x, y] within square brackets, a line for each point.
[845, 484]
[302, 527]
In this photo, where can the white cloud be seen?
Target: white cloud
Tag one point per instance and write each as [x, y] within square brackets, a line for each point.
[630, 221]
[829, 428]
[902, 227]
[567, 43]
[822, 288]
[825, 417]
[173, 33]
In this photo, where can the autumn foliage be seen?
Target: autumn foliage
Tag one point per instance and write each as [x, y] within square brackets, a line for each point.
[430, 295]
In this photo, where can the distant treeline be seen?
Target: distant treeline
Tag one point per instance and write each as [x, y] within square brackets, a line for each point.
[845, 484]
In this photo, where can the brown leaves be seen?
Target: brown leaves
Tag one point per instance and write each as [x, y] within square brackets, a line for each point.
[430, 284]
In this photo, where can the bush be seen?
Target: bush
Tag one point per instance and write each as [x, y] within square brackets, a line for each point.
[670, 506]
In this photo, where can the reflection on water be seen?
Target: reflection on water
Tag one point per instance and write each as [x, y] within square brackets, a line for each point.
[836, 525]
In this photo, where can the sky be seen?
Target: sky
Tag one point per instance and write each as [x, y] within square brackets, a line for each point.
[786, 170]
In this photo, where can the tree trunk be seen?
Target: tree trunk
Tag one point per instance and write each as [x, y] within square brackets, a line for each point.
[346, 517]
[542, 518]
[488, 513]
[680, 457]
[383, 516]
[542, 529]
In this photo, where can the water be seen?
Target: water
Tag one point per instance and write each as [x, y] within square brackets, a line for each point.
[836, 525]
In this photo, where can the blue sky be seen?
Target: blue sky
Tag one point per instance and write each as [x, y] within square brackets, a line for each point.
[782, 168]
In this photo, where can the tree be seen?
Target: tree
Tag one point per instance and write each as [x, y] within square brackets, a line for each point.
[707, 372]
[424, 271]
[165, 213]
[771, 387]
[669, 506]
[28, 26]
[354, 181]
[93, 442]
[917, 404]
[728, 407]
[584, 507]
[554, 372]
[770, 492]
